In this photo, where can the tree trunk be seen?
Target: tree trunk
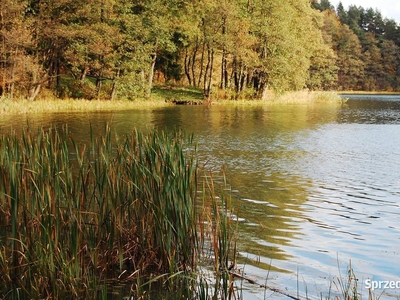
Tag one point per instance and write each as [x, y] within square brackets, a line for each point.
[98, 85]
[58, 74]
[114, 86]
[151, 71]
[12, 82]
[194, 63]
[224, 71]
[239, 77]
[208, 73]
[201, 64]
[36, 81]
[187, 67]
[11, 89]
[264, 92]
[34, 91]
[113, 90]
[83, 74]
[3, 69]
[151, 75]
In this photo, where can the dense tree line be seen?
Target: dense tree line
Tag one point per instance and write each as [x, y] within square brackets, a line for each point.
[366, 45]
[119, 48]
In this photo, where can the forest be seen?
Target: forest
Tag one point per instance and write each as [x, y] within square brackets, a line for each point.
[108, 49]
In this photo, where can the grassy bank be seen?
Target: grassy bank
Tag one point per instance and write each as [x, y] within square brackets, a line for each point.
[74, 216]
[162, 96]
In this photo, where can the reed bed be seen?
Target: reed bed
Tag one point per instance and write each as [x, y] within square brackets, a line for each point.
[303, 97]
[72, 215]
[308, 97]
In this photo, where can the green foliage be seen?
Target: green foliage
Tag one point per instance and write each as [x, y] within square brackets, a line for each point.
[288, 36]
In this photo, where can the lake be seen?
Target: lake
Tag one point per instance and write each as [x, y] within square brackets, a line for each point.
[315, 186]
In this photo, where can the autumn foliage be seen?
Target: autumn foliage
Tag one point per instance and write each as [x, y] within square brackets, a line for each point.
[117, 48]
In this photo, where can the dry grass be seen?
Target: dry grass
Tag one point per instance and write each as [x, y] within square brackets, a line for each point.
[24, 106]
[303, 97]
[306, 97]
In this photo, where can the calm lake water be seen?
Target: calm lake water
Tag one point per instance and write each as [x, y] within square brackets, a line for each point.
[315, 187]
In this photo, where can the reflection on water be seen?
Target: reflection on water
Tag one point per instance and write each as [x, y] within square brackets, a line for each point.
[314, 186]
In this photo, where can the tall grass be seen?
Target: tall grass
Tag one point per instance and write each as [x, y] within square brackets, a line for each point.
[73, 215]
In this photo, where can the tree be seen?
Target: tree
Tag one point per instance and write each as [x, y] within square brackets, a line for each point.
[20, 68]
[373, 23]
[287, 35]
[342, 13]
[323, 5]
[355, 20]
[350, 63]
[160, 22]
[392, 31]
[244, 57]
[372, 58]
[324, 69]
[50, 33]
[373, 33]
[391, 66]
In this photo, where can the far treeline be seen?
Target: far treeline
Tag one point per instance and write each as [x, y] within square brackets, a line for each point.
[103, 49]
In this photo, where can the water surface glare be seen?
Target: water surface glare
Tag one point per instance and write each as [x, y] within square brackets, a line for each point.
[314, 186]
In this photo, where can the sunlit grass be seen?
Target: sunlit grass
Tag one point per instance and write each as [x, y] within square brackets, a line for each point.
[24, 106]
[303, 97]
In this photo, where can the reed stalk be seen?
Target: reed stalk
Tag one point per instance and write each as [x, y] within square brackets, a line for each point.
[218, 235]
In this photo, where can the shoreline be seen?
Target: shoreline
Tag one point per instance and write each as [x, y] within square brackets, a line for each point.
[366, 93]
[52, 105]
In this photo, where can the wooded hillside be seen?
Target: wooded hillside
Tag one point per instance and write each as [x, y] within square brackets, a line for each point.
[119, 48]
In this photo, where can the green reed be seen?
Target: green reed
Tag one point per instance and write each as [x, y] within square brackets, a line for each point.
[73, 215]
